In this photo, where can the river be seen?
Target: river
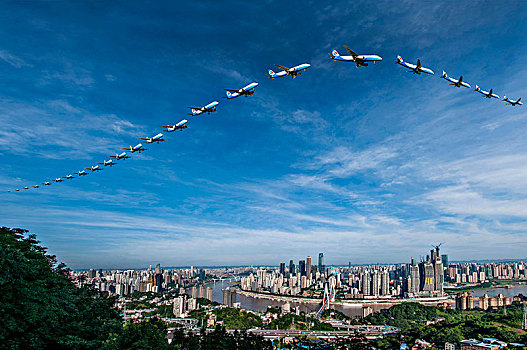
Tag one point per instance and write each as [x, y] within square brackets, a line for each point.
[261, 304]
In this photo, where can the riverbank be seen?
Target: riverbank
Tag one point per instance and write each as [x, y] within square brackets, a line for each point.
[350, 302]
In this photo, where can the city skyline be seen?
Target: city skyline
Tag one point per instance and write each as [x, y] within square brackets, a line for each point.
[369, 164]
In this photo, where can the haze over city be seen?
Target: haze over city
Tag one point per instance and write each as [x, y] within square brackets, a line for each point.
[368, 165]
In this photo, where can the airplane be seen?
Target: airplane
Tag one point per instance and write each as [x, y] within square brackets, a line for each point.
[17, 190]
[138, 148]
[81, 173]
[26, 188]
[120, 156]
[158, 138]
[36, 186]
[210, 108]
[94, 168]
[68, 177]
[416, 69]
[108, 162]
[293, 72]
[179, 126]
[360, 60]
[246, 91]
[456, 83]
[58, 179]
[487, 94]
[47, 183]
[512, 102]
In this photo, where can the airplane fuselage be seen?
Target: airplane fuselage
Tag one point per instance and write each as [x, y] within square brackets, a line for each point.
[293, 72]
[210, 108]
[454, 82]
[246, 91]
[359, 60]
[416, 69]
[487, 94]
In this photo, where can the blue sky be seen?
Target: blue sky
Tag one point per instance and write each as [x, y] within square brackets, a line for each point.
[369, 165]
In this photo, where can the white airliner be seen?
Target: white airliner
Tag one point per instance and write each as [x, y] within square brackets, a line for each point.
[137, 148]
[487, 94]
[512, 102]
[120, 156]
[68, 177]
[58, 179]
[36, 186]
[47, 183]
[108, 163]
[94, 168]
[179, 126]
[158, 138]
[414, 68]
[293, 72]
[82, 173]
[210, 108]
[359, 60]
[456, 83]
[245, 91]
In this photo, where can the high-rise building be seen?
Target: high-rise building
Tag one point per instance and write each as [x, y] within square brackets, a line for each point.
[426, 274]
[414, 279]
[209, 293]
[385, 283]
[282, 269]
[229, 297]
[321, 262]
[291, 268]
[308, 267]
[302, 267]
[179, 307]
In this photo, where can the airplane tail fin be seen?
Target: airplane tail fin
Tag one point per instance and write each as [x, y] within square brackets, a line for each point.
[399, 59]
[444, 75]
[229, 94]
[518, 100]
[477, 88]
[334, 53]
[504, 98]
[271, 73]
[418, 63]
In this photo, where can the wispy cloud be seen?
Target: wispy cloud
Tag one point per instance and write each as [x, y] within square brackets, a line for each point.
[13, 60]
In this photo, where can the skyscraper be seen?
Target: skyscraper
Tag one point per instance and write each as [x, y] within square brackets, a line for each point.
[320, 262]
[282, 269]
[414, 278]
[308, 267]
[291, 268]
[302, 267]
[209, 293]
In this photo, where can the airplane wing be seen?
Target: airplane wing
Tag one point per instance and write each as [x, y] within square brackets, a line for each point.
[282, 67]
[350, 51]
[195, 107]
[231, 90]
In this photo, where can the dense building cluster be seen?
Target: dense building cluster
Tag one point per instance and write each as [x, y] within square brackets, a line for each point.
[425, 279]
[478, 273]
[150, 280]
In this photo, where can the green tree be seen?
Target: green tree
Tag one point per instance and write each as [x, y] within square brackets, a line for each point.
[143, 334]
[40, 307]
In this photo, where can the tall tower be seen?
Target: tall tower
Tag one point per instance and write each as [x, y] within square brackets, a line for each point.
[308, 267]
[320, 262]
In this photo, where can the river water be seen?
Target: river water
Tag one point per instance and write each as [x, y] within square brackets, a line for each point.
[261, 304]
